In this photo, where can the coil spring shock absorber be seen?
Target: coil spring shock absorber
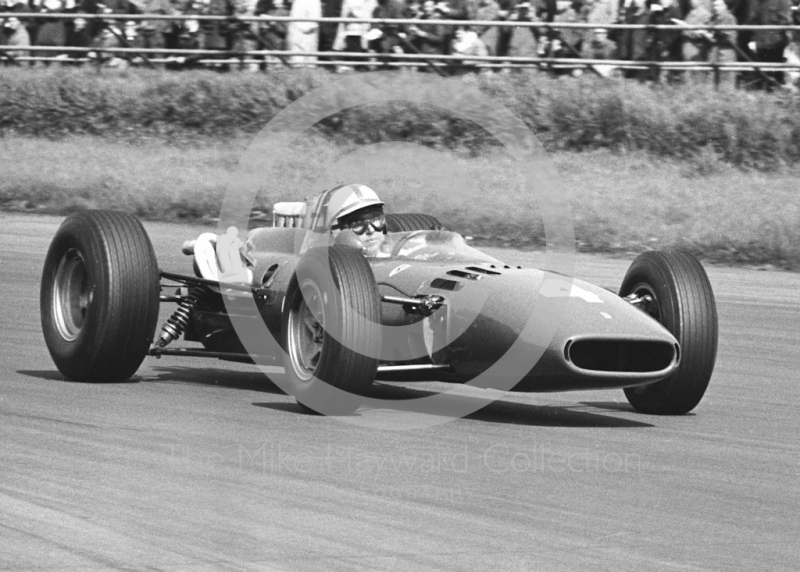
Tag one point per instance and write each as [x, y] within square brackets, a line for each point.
[179, 320]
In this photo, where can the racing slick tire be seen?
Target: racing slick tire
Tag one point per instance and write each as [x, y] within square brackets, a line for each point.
[331, 330]
[404, 222]
[99, 296]
[683, 302]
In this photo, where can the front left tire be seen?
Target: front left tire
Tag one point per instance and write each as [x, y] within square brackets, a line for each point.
[331, 329]
[674, 289]
[99, 297]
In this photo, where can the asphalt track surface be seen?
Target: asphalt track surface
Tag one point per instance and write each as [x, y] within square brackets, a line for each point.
[202, 465]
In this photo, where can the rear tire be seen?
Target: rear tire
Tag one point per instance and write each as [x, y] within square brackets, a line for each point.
[404, 222]
[99, 297]
[331, 329]
[683, 302]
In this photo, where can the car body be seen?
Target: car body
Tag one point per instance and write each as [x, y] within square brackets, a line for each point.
[601, 342]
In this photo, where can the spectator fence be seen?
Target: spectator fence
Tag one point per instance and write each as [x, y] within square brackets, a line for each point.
[437, 62]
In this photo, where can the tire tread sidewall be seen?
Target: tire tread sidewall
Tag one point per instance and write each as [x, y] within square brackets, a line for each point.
[123, 276]
[688, 311]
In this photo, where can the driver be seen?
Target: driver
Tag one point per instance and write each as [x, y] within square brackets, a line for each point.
[360, 211]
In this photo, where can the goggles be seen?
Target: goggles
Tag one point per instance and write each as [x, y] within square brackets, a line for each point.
[377, 223]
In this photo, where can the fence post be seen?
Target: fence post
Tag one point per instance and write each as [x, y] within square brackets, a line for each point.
[551, 35]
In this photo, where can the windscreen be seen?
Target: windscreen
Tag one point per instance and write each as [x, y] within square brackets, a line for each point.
[436, 245]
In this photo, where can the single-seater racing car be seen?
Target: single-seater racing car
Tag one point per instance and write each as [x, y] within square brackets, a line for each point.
[428, 306]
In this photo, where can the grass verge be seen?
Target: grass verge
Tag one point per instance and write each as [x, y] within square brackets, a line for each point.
[750, 129]
[620, 202]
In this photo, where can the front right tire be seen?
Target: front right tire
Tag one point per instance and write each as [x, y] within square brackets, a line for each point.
[99, 298]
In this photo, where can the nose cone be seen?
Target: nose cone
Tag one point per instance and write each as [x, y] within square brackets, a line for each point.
[548, 332]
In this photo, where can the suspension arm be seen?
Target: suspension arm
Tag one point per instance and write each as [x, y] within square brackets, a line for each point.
[426, 306]
[197, 281]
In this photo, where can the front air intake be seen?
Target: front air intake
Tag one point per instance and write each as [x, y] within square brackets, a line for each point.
[620, 355]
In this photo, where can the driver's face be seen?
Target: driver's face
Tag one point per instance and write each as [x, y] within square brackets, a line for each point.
[371, 240]
[370, 231]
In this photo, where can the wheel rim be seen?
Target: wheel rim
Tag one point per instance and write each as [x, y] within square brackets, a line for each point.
[71, 295]
[650, 308]
[306, 331]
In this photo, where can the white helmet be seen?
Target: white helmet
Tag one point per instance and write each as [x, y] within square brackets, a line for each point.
[348, 199]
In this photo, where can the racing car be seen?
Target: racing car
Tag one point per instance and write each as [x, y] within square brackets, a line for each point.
[433, 309]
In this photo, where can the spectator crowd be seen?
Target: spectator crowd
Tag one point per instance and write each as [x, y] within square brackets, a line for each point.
[20, 37]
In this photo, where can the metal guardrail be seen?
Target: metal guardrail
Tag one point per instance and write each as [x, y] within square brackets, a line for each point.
[411, 59]
[387, 21]
[361, 59]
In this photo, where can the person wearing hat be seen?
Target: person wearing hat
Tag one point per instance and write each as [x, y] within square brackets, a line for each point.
[355, 216]
[706, 46]
[352, 37]
[51, 33]
[431, 38]
[13, 32]
[303, 36]
[467, 43]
